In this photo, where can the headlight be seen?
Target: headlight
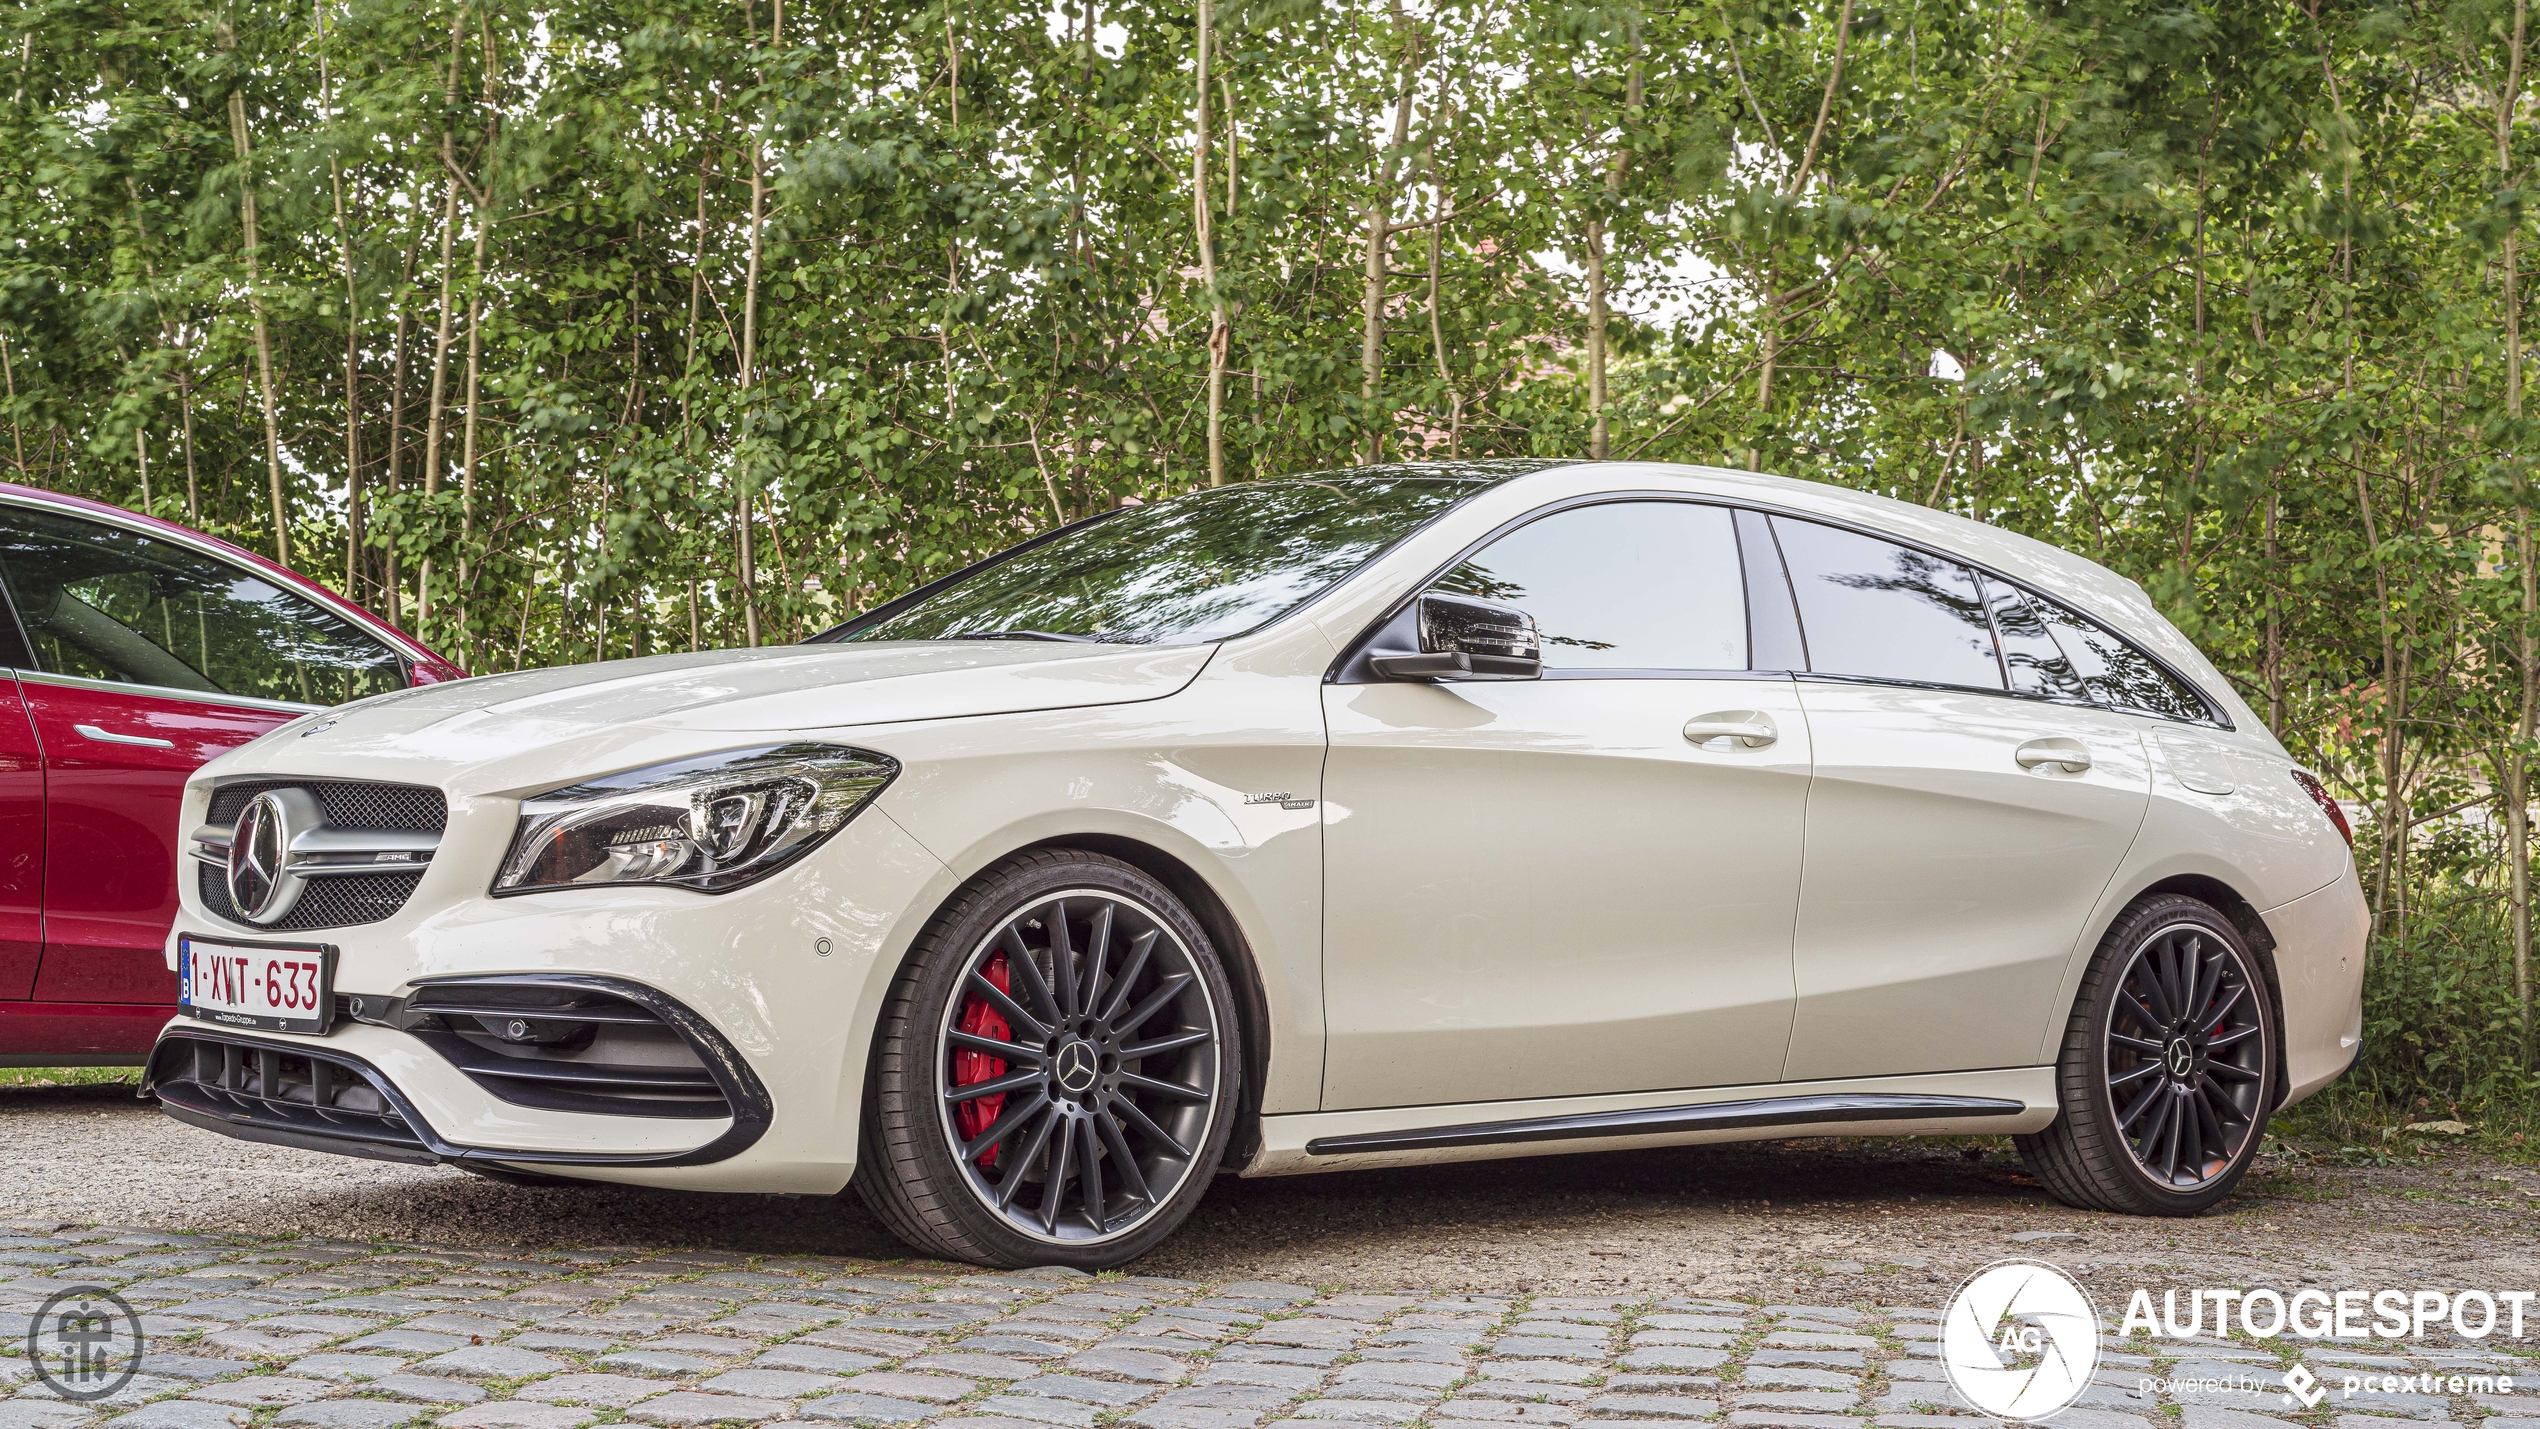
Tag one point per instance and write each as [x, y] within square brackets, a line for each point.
[712, 823]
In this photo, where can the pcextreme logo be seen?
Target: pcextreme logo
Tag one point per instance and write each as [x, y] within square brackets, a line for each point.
[2020, 1339]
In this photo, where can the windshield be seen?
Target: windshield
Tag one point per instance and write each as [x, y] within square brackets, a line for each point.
[1201, 567]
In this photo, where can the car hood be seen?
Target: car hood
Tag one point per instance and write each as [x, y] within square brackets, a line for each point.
[540, 724]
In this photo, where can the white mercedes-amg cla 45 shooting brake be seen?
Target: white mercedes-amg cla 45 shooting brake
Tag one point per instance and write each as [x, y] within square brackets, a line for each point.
[1376, 817]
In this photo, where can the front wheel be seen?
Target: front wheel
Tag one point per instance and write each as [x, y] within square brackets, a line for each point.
[2168, 1067]
[1056, 1071]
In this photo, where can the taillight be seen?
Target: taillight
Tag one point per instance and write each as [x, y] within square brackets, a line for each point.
[2319, 795]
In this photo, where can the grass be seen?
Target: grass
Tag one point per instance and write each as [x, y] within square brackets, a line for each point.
[69, 1076]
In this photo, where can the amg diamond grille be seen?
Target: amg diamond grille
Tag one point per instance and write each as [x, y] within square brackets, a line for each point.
[349, 803]
[340, 902]
[336, 902]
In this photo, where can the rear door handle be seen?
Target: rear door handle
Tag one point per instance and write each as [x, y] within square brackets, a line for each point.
[90, 731]
[1750, 729]
[2065, 754]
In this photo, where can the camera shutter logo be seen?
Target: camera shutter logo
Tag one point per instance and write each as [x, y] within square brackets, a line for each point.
[85, 1343]
[2020, 1339]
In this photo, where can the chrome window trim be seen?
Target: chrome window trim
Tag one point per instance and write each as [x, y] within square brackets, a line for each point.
[2218, 717]
[163, 692]
[397, 642]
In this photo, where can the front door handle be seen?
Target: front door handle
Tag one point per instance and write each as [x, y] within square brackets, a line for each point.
[2065, 754]
[1750, 728]
[90, 731]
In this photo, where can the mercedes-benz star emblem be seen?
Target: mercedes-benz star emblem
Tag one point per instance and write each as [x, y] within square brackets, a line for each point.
[1077, 1067]
[2182, 1058]
[262, 884]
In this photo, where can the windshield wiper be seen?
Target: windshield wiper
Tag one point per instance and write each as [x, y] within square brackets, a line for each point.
[1023, 635]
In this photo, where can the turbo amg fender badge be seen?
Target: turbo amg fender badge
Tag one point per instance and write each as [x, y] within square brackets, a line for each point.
[1283, 799]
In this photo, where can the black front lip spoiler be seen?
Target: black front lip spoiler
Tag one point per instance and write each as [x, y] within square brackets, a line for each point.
[753, 1113]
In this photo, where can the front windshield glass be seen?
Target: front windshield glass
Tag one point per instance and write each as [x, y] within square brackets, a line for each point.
[1201, 567]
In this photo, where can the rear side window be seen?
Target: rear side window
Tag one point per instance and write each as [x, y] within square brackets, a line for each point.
[2117, 673]
[103, 603]
[1624, 585]
[1878, 610]
[2030, 655]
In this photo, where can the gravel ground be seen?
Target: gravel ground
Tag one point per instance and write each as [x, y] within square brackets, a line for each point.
[1821, 1221]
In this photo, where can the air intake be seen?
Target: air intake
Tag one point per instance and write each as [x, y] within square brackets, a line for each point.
[579, 1046]
[286, 1095]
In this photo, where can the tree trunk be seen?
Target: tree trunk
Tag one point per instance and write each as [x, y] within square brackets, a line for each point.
[1600, 443]
[484, 200]
[744, 485]
[352, 335]
[1371, 347]
[388, 572]
[1220, 338]
[256, 309]
[17, 433]
[2393, 699]
[2517, 763]
[1437, 320]
[1774, 298]
[437, 412]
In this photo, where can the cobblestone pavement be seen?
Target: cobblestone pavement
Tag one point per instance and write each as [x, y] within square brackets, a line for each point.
[313, 1333]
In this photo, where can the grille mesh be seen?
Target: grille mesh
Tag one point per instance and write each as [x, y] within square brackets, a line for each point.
[349, 803]
[343, 901]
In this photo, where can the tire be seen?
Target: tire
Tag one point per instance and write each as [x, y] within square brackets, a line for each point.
[2165, 1087]
[1091, 998]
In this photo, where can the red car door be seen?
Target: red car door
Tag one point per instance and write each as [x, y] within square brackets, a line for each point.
[21, 843]
[115, 766]
[144, 654]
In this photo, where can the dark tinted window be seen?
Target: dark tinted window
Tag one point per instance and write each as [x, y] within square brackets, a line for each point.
[105, 603]
[1884, 611]
[2117, 673]
[1200, 567]
[2037, 665]
[1625, 585]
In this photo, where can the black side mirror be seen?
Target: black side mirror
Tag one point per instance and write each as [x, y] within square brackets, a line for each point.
[1463, 639]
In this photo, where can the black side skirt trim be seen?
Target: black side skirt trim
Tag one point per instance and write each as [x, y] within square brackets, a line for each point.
[1662, 1121]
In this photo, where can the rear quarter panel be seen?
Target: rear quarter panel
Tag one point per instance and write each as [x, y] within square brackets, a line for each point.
[2271, 845]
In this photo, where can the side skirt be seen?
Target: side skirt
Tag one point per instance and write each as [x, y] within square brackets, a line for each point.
[2006, 1101]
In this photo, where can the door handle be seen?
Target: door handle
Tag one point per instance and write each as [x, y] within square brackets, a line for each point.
[1750, 729]
[2065, 754]
[91, 731]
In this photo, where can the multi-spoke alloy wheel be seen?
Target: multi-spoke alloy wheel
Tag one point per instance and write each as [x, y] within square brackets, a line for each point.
[2186, 1056]
[1080, 1072]
[2168, 1071]
[1057, 1069]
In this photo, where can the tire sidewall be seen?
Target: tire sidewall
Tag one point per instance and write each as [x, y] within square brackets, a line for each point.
[2116, 950]
[933, 979]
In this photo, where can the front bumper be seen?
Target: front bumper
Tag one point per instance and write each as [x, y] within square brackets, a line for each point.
[320, 1094]
[787, 976]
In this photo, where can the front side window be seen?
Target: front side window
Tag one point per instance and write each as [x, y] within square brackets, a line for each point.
[1877, 610]
[1624, 585]
[103, 603]
[1207, 566]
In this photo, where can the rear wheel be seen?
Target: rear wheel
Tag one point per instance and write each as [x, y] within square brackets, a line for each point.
[2167, 1072]
[1056, 1071]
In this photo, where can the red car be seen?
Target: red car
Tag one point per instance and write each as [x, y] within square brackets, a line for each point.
[136, 650]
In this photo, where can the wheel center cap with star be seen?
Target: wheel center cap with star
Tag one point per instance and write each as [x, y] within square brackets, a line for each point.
[1078, 1066]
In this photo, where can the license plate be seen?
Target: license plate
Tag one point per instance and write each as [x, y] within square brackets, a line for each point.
[275, 987]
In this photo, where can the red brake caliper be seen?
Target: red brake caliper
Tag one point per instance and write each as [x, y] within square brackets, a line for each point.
[981, 1020]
